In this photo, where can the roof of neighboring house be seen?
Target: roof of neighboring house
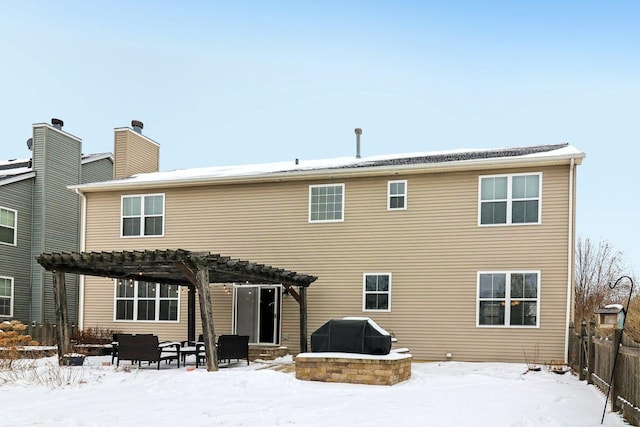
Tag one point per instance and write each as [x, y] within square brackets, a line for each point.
[18, 169]
[15, 170]
[610, 309]
[348, 166]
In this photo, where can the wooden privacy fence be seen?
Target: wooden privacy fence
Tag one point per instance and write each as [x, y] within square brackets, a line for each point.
[45, 334]
[593, 356]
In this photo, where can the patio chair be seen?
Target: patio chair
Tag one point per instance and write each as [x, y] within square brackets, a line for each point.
[233, 347]
[147, 348]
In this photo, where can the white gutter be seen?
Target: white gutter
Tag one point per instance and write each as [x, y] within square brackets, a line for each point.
[83, 234]
[569, 261]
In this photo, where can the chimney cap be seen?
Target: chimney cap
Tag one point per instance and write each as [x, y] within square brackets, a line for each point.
[57, 122]
[358, 131]
[137, 123]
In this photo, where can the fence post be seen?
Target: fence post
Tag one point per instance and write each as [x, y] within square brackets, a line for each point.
[617, 381]
[591, 351]
[581, 356]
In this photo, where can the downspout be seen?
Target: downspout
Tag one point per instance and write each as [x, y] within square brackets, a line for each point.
[83, 229]
[569, 260]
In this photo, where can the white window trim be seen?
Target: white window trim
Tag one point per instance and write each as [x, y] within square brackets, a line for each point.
[389, 195]
[11, 300]
[135, 299]
[510, 199]
[142, 216]
[343, 207]
[508, 299]
[364, 292]
[15, 228]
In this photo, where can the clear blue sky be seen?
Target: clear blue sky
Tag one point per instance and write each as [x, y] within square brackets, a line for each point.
[220, 83]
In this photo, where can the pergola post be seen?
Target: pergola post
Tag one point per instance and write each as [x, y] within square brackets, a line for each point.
[191, 314]
[303, 318]
[206, 314]
[63, 328]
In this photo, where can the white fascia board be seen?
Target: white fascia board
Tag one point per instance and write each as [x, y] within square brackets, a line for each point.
[140, 182]
[17, 178]
[47, 125]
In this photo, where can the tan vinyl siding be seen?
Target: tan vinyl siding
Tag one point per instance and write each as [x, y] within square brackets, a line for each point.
[134, 153]
[434, 250]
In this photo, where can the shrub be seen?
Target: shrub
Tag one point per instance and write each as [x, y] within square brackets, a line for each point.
[94, 335]
[10, 339]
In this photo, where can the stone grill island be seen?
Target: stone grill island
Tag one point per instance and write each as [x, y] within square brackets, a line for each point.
[353, 350]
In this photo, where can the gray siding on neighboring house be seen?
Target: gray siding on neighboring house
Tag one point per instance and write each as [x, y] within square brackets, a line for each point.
[56, 161]
[96, 171]
[15, 260]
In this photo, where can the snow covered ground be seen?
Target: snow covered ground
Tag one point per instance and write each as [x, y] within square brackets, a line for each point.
[268, 394]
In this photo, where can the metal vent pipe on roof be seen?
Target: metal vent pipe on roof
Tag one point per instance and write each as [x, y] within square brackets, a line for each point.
[137, 126]
[358, 133]
[57, 123]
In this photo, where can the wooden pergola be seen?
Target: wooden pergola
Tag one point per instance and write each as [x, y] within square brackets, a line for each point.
[196, 270]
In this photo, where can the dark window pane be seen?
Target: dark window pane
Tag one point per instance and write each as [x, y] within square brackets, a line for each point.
[491, 313]
[493, 213]
[531, 285]
[169, 310]
[124, 310]
[524, 212]
[168, 291]
[153, 226]
[130, 226]
[6, 235]
[371, 283]
[499, 285]
[5, 306]
[383, 283]
[124, 289]
[146, 290]
[523, 313]
[531, 211]
[146, 310]
[383, 302]
[517, 285]
[371, 302]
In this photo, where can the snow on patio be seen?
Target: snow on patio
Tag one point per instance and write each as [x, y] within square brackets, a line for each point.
[268, 394]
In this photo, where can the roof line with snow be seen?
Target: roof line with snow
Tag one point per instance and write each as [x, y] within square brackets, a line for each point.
[347, 166]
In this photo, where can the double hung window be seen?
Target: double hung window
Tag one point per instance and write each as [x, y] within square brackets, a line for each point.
[509, 299]
[397, 195]
[143, 215]
[6, 296]
[145, 301]
[8, 220]
[376, 292]
[510, 199]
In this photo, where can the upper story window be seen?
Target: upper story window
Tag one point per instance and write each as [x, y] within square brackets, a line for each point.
[326, 203]
[8, 221]
[510, 199]
[6, 297]
[143, 215]
[397, 195]
[509, 298]
[376, 292]
[145, 301]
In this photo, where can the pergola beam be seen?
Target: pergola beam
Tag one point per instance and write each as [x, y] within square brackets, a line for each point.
[180, 267]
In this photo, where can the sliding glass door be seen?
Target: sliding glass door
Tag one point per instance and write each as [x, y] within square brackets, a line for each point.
[257, 313]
